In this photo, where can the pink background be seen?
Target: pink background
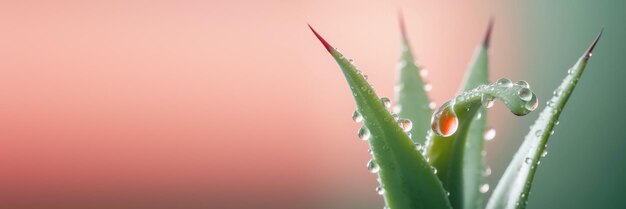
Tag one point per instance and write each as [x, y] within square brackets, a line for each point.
[209, 104]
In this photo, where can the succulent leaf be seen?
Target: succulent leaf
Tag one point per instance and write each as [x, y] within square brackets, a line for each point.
[446, 148]
[406, 178]
[412, 99]
[513, 188]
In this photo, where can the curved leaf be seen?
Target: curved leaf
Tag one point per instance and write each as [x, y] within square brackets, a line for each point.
[446, 149]
[407, 179]
[413, 102]
[514, 186]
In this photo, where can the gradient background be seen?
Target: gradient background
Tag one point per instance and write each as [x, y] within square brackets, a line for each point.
[234, 104]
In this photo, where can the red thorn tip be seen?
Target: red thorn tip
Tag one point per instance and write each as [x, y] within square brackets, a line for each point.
[487, 38]
[401, 22]
[324, 42]
[593, 45]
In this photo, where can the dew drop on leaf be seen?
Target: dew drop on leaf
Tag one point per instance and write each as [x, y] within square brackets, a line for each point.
[423, 72]
[533, 103]
[428, 87]
[528, 160]
[538, 133]
[418, 146]
[484, 188]
[432, 105]
[523, 83]
[445, 121]
[386, 101]
[364, 134]
[380, 190]
[525, 94]
[544, 153]
[487, 101]
[372, 166]
[405, 124]
[489, 134]
[504, 82]
[356, 117]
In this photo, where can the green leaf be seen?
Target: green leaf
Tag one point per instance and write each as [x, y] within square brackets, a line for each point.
[514, 186]
[413, 102]
[407, 179]
[473, 162]
[446, 149]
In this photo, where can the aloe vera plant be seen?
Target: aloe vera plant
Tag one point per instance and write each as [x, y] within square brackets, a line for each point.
[433, 159]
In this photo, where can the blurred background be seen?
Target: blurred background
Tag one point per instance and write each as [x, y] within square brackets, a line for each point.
[235, 104]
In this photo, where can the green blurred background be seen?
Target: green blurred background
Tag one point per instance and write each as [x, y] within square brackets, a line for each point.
[586, 166]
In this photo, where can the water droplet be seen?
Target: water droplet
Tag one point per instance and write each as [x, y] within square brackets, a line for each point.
[364, 133]
[523, 83]
[423, 72]
[405, 124]
[478, 116]
[544, 153]
[418, 146]
[489, 134]
[570, 71]
[487, 172]
[487, 101]
[380, 190]
[428, 87]
[532, 103]
[551, 132]
[365, 77]
[372, 166]
[528, 160]
[356, 117]
[525, 94]
[484, 188]
[504, 82]
[538, 133]
[557, 123]
[590, 54]
[395, 116]
[432, 105]
[386, 101]
[448, 194]
[445, 121]
[434, 169]
[556, 93]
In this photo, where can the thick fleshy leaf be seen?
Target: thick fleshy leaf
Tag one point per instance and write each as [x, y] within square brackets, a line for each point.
[412, 99]
[446, 148]
[407, 180]
[514, 187]
[477, 74]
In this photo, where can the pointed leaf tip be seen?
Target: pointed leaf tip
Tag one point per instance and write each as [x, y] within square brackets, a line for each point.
[402, 25]
[324, 42]
[487, 38]
[593, 45]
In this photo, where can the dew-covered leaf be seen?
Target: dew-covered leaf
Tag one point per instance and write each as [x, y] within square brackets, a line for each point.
[407, 180]
[411, 91]
[514, 187]
[446, 147]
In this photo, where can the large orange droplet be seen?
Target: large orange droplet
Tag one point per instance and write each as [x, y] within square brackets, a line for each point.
[445, 121]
